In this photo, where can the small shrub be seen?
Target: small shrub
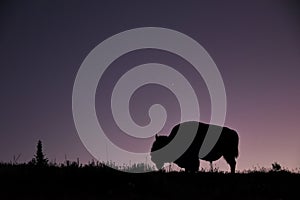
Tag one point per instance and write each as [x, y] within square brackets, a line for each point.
[276, 166]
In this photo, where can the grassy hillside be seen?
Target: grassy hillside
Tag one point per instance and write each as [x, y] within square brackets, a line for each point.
[25, 181]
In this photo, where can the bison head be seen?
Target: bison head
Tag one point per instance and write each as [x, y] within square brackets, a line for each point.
[160, 142]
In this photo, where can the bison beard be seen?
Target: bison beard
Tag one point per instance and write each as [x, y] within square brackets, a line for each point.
[226, 146]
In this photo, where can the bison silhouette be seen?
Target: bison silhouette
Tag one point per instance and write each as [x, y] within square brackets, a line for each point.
[226, 146]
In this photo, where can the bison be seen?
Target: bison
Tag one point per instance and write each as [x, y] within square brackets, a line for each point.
[226, 146]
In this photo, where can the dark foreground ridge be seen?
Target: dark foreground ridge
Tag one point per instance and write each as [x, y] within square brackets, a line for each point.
[90, 182]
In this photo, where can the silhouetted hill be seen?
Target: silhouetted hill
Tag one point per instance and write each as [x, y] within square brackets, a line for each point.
[99, 182]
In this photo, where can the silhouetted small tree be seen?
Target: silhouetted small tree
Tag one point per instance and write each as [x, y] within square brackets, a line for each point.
[40, 158]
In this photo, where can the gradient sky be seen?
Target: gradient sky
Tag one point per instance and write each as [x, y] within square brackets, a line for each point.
[255, 45]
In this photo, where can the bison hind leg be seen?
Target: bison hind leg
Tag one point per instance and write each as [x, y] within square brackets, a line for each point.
[232, 163]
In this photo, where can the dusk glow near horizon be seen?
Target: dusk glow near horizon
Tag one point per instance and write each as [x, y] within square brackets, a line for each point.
[255, 45]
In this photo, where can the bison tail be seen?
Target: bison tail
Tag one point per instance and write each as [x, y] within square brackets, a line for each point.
[236, 145]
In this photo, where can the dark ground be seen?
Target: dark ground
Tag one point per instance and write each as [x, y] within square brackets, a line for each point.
[31, 182]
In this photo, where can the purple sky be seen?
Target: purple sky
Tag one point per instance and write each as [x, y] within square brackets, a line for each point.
[255, 45]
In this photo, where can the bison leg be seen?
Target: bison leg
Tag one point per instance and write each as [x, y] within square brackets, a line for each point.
[211, 166]
[231, 161]
[193, 166]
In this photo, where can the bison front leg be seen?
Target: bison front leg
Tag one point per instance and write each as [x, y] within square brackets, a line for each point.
[193, 165]
[211, 166]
